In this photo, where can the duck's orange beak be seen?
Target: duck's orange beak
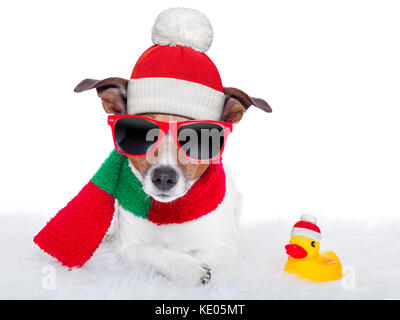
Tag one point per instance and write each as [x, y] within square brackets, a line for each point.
[295, 251]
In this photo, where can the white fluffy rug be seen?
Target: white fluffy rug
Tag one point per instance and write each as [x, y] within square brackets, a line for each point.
[369, 252]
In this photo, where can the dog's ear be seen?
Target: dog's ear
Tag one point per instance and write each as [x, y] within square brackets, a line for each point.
[112, 92]
[237, 102]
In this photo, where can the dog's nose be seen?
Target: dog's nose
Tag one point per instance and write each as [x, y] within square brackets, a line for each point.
[164, 177]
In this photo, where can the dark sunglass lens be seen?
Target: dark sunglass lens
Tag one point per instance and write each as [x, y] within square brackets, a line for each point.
[201, 140]
[135, 136]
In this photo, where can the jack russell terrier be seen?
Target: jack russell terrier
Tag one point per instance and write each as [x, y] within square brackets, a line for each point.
[158, 119]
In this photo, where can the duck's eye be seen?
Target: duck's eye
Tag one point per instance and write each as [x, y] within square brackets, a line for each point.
[312, 243]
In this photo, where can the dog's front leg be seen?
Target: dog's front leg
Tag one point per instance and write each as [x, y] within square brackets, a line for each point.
[216, 255]
[174, 265]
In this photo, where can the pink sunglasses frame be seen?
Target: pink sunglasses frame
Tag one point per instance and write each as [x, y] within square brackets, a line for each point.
[166, 127]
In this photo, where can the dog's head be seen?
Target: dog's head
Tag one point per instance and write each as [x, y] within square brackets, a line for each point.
[162, 173]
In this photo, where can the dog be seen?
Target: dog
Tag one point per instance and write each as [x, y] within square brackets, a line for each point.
[180, 251]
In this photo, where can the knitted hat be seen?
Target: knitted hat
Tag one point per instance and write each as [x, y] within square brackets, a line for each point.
[307, 228]
[175, 76]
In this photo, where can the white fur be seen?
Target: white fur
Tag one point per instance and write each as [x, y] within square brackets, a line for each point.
[175, 250]
[183, 27]
[372, 258]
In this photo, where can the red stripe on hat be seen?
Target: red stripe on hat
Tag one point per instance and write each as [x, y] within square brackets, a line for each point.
[307, 225]
[177, 62]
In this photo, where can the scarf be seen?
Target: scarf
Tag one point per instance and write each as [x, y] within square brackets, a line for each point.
[74, 234]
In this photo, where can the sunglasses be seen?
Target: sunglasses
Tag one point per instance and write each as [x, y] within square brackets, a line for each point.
[198, 139]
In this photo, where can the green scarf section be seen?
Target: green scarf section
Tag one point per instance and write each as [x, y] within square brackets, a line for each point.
[116, 178]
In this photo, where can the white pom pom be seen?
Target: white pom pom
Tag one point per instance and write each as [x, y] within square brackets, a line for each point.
[308, 218]
[183, 27]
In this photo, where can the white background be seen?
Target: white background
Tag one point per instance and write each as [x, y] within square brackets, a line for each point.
[329, 69]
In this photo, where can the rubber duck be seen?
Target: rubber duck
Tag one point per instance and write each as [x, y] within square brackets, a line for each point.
[304, 258]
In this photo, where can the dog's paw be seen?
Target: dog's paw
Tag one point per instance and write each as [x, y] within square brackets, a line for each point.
[189, 270]
[207, 277]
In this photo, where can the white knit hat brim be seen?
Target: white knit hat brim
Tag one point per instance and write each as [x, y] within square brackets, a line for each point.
[174, 96]
[306, 233]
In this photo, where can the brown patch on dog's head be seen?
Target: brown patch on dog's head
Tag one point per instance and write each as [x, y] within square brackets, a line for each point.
[194, 170]
[141, 164]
